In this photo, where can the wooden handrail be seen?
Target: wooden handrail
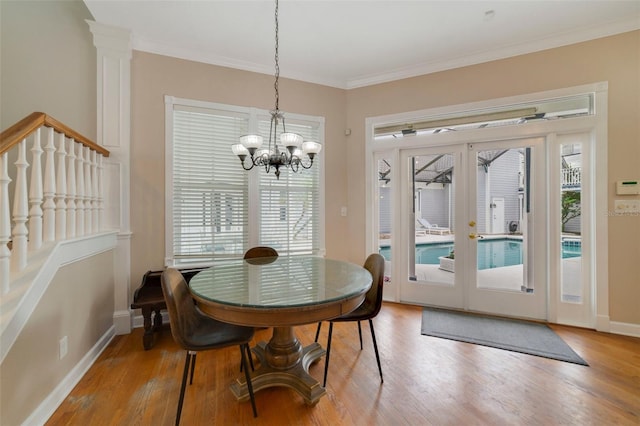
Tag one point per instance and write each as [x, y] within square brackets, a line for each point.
[23, 128]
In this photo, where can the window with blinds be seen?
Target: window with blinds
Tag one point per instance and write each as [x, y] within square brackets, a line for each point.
[209, 207]
[290, 206]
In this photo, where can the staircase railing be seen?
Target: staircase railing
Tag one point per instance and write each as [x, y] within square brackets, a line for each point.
[62, 198]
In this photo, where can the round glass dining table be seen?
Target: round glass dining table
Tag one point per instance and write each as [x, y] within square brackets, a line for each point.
[281, 292]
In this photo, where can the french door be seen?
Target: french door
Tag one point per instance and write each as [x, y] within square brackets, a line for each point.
[496, 214]
[475, 216]
[506, 228]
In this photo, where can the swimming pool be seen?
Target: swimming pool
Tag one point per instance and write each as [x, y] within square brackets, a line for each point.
[491, 253]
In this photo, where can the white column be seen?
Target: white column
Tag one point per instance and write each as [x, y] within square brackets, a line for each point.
[113, 47]
[20, 211]
[35, 194]
[49, 206]
[5, 223]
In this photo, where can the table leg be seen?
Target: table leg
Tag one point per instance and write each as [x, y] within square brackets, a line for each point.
[284, 362]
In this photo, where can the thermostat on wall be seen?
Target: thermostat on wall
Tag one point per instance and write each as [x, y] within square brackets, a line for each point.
[627, 187]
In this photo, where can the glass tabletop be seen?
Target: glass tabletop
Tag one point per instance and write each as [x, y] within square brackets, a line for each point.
[284, 281]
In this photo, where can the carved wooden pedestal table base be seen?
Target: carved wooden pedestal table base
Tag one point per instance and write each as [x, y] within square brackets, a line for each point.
[283, 362]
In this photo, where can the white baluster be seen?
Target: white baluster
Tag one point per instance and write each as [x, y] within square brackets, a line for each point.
[5, 223]
[61, 189]
[87, 191]
[94, 193]
[35, 194]
[71, 190]
[79, 190]
[49, 206]
[20, 211]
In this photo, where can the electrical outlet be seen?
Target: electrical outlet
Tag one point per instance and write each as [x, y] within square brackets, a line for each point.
[64, 347]
[343, 212]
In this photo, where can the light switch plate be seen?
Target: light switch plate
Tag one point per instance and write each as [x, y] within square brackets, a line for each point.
[626, 206]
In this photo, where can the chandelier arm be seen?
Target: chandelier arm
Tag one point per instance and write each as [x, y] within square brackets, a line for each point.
[303, 165]
[295, 164]
[245, 167]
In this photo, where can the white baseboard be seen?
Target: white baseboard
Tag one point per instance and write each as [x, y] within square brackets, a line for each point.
[41, 414]
[626, 329]
[122, 322]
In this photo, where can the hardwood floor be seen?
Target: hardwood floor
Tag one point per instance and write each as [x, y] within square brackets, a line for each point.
[427, 381]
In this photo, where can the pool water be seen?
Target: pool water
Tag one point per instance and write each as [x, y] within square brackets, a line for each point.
[491, 253]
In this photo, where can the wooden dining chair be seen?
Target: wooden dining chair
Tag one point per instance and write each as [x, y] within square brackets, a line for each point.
[195, 331]
[366, 311]
[260, 251]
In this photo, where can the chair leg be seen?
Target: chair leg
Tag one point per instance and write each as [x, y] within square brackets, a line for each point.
[318, 331]
[250, 356]
[360, 334]
[248, 377]
[193, 366]
[183, 386]
[250, 360]
[375, 347]
[326, 360]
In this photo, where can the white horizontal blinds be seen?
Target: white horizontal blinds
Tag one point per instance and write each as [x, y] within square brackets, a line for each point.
[290, 207]
[210, 192]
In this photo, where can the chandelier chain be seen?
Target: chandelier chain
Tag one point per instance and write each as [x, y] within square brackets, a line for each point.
[275, 85]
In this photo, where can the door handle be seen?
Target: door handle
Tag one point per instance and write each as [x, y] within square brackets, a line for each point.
[474, 236]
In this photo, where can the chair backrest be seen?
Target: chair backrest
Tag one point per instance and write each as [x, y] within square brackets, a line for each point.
[260, 251]
[183, 316]
[424, 222]
[375, 265]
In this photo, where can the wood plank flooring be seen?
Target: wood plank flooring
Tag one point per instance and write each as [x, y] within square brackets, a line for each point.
[427, 381]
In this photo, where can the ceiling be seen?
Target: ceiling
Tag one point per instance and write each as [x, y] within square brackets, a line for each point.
[349, 44]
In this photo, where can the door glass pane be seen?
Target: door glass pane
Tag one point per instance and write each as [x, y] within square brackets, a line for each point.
[384, 213]
[502, 203]
[571, 253]
[431, 254]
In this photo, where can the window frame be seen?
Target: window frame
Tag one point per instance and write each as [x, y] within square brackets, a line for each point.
[253, 181]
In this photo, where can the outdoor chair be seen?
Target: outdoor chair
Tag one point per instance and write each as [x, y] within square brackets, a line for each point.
[195, 331]
[366, 311]
[424, 225]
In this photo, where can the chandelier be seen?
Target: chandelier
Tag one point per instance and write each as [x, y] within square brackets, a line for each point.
[297, 153]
